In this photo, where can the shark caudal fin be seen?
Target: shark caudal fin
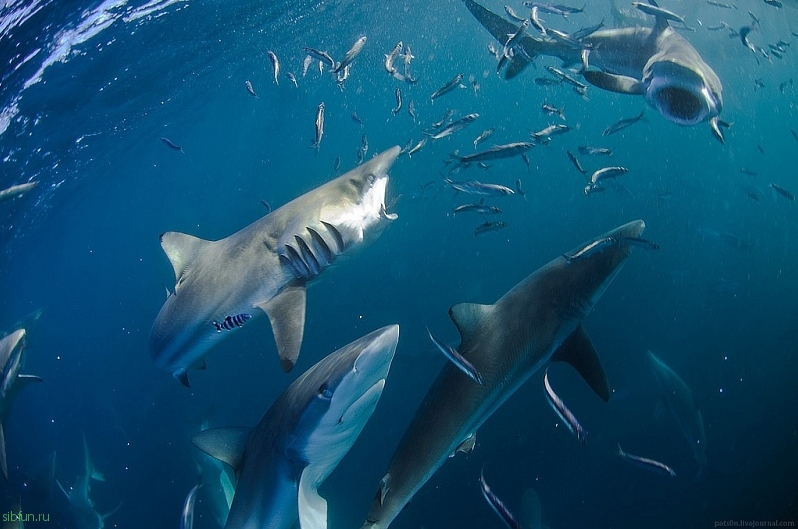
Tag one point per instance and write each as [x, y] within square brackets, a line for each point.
[225, 444]
[286, 312]
[579, 351]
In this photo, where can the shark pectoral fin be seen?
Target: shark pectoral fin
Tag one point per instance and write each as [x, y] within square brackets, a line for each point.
[225, 444]
[181, 249]
[467, 446]
[3, 460]
[517, 65]
[467, 316]
[614, 83]
[24, 380]
[312, 507]
[578, 351]
[286, 311]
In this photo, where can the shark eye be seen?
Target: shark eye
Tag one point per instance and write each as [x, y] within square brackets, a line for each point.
[370, 178]
[325, 392]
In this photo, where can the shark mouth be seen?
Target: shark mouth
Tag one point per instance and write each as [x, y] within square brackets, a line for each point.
[679, 94]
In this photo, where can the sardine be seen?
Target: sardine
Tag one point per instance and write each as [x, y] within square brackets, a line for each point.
[351, 54]
[411, 109]
[319, 126]
[575, 161]
[417, 147]
[275, 66]
[783, 192]
[322, 56]
[511, 13]
[480, 208]
[594, 150]
[357, 119]
[169, 143]
[292, 78]
[306, 64]
[474, 187]
[407, 57]
[448, 87]
[457, 359]
[562, 411]
[518, 187]
[398, 94]
[483, 136]
[443, 120]
[551, 109]
[495, 153]
[656, 11]
[544, 136]
[496, 225]
[455, 126]
[525, 158]
[648, 464]
[391, 57]
[622, 124]
[250, 89]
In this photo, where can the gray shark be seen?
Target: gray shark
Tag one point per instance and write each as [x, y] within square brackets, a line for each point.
[302, 437]
[11, 383]
[656, 63]
[538, 321]
[265, 266]
[679, 400]
[81, 505]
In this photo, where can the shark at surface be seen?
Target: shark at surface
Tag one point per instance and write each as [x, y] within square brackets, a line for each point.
[657, 63]
[538, 321]
[303, 436]
[220, 285]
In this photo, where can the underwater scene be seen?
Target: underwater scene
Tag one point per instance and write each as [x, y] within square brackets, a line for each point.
[356, 264]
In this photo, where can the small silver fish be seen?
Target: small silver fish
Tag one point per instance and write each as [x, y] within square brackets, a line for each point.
[398, 94]
[563, 412]
[353, 52]
[448, 87]
[594, 150]
[322, 56]
[443, 120]
[306, 64]
[391, 57]
[458, 360]
[575, 161]
[275, 66]
[250, 89]
[496, 225]
[648, 464]
[599, 245]
[411, 109]
[292, 78]
[417, 147]
[319, 126]
[483, 136]
[623, 123]
[496, 504]
[550, 110]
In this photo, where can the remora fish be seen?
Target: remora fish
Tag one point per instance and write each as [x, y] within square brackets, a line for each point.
[265, 265]
[496, 504]
[457, 359]
[538, 321]
[353, 52]
[562, 411]
[478, 188]
[319, 126]
[623, 123]
[656, 63]
[275, 66]
[679, 400]
[648, 464]
[448, 87]
[11, 192]
[495, 153]
[12, 347]
[303, 436]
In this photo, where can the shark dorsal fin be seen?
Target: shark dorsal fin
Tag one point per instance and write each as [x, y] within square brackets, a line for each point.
[181, 249]
[312, 507]
[579, 351]
[662, 23]
[467, 317]
[225, 444]
[286, 311]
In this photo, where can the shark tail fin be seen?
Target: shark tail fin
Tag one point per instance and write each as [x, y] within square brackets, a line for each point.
[224, 444]
[312, 507]
[286, 312]
[467, 317]
[579, 351]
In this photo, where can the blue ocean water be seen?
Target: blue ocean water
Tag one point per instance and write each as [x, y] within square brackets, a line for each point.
[89, 88]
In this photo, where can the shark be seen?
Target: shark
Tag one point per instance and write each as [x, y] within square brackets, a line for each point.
[303, 436]
[81, 505]
[218, 484]
[11, 383]
[265, 268]
[679, 400]
[536, 322]
[655, 62]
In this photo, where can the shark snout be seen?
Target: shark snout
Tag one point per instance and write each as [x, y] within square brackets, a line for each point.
[374, 360]
[680, 94]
